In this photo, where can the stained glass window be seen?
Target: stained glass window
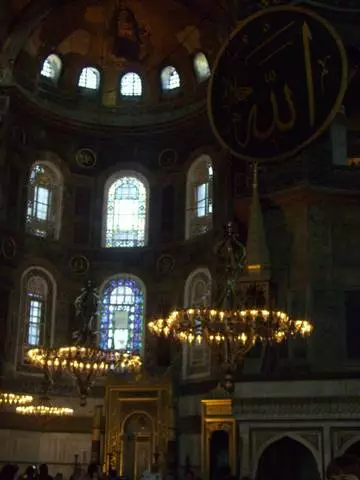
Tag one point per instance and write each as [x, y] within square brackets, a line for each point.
[44, 190]
[170, 78]
[89, 78]
[122, 314]
[36, 293]
[51, 67]
[199, 204]
[201, 66]
[131, 85]
[126, 213]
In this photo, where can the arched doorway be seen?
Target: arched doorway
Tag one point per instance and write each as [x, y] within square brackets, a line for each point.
[137, 445]
[219, 453]
[286, 458]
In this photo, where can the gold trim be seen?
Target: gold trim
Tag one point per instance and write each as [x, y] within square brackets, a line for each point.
[138, 399]
[338, 101]
[210, 424]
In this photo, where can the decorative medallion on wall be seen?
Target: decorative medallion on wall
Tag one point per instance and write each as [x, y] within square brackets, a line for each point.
[85, 158]
[271, 106]
[79, 264]
[167, 158]
[165, 264]
[8, 247]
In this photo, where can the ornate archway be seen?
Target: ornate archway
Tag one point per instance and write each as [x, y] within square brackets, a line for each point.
[137, 432]
[287, 458]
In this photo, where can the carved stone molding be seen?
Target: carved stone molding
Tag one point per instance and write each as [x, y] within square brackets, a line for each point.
[278, 408]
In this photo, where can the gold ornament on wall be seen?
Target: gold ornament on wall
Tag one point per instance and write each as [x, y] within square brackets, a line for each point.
[165, 264]
[167, 158]
[8, 247]
[85, 158]
[79, 264]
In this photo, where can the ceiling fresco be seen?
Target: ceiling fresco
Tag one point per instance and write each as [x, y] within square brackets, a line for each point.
[115, 32]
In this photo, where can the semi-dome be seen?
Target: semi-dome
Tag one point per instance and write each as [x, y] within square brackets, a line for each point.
[119, 62]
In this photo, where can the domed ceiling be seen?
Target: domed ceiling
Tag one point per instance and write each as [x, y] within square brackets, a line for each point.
[113, 32]
[116, 36]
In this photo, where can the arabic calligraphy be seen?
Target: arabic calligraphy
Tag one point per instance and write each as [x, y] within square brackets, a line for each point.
[272, 95]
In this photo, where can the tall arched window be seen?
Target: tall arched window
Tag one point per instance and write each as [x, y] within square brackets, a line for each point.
[51, 67]
[199, 197]
[197, 293]
[89, 78]
[170, 79]
[122, 314]
[201, 67]
[37, 308]
[131, 85]
[44, 200]
[126, 211]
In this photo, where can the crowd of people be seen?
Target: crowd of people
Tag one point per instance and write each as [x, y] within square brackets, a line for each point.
[346, 467]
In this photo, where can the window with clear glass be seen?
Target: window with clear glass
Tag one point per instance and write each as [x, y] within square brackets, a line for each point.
[52, 67]
[201, 66]
[131, 85]
[36, 293]
[126, 213]
[196, 357]
[170, 78]
[89, 78]
[122, 314]
[199, 203]
[44, 200]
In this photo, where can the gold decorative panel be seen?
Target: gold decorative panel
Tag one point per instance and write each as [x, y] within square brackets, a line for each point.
[139, 424]
[217, 416]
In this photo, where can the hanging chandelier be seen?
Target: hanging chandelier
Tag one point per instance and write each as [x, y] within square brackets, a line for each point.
[242, 328]
[230, 324]
[7, 398]
[84, 359]
[44, 411]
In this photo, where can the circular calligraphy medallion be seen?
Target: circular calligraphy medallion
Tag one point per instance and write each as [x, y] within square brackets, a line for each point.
[277, 84]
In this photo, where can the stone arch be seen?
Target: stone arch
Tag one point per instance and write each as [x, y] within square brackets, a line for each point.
[293, 437]
[349, 445]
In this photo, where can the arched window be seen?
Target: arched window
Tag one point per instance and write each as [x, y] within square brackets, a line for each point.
[89, 78]
[126, 211]
[201, 67]
[44, 201]
[170, 78]
[197, 293]
[37, 309]
[52, 67]
[131, 85]
[199, 198]
[122, 314]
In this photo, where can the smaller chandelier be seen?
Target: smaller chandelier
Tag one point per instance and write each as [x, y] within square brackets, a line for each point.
[84, 359]
[44, 410]
[78, 359]
[14, 399]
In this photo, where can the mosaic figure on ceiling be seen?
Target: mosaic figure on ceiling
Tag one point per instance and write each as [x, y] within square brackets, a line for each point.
[128, 36]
